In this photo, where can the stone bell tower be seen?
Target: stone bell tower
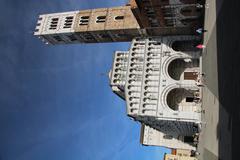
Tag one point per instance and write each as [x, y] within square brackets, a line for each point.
[88, 26]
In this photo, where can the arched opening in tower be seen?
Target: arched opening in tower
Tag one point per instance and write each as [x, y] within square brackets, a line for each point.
[180, 99]
[183, 69]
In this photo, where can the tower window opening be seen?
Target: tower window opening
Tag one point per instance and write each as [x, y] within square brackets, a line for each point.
[68, 22]
[72, 38]
[84, 20]
[119, 17]
[101, 19]
[58, 38]
[85, 17]
[121, 35]
[104, 36]
[53, 24]
[88, 37]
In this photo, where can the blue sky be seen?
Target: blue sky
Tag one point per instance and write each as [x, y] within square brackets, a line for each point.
[54, 102]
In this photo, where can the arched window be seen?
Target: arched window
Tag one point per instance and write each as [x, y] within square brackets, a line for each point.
[68, 22]
[84, 20]
[53, 24]
[176, 98]
[119, 18]
[177, 69]
[101, 19]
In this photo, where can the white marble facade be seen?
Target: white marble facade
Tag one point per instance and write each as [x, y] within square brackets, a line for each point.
[160, 79]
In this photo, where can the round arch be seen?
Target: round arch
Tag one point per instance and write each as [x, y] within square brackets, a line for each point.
[178, 97]
[177, 67]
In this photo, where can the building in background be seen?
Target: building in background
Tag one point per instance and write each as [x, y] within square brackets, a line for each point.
[165, 17]
[160, 79]
[180, 154]
[176, 157]
[166, 13]
[153, 137]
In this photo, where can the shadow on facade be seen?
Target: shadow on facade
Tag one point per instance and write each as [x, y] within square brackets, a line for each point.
[186, 45]
[228, 57]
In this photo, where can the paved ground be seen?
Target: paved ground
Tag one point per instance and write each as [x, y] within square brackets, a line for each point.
[221, 94]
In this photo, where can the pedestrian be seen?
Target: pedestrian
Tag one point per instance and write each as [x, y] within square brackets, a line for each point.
[200, 46]
[201, 30]
[198, 5]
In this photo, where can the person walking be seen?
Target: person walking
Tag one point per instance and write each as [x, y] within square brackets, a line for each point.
[201, 30]
[198, 5]
[200, 46]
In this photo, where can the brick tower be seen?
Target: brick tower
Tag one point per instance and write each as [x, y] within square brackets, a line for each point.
[88, 26]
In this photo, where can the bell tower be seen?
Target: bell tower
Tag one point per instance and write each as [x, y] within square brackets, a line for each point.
[89, 26]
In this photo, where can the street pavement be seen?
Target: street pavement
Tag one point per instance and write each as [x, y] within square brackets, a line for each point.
[221, 93]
